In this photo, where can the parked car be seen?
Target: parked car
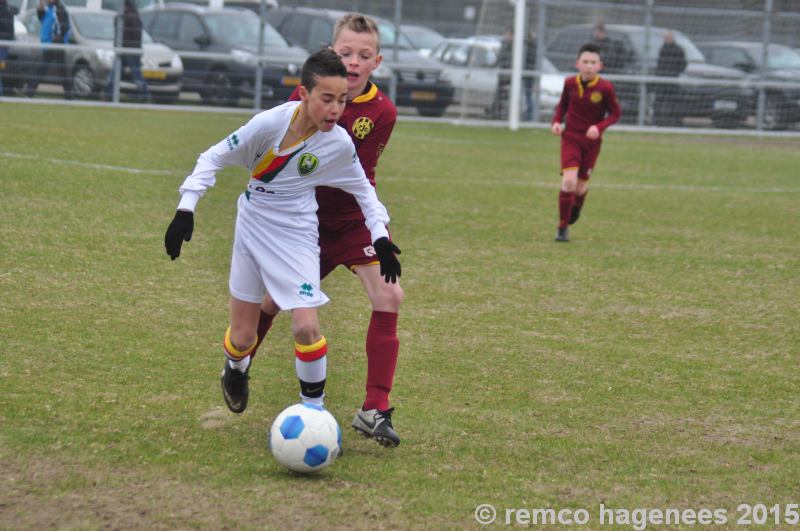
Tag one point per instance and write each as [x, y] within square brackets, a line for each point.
[471, 65]
[419, 82]
[422, 38]
[90, 62]
[726, 105]
[112, 5]
[195, 31]
[782, 105]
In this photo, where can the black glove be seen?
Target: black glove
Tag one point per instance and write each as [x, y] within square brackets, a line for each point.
[390, 266]
[179, 230]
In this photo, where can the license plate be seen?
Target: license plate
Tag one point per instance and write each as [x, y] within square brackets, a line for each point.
[154, 74]
[725, 105]
[290, 81]
[423, 95]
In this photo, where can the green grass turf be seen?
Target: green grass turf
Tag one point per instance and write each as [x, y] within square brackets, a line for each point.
[651, 362]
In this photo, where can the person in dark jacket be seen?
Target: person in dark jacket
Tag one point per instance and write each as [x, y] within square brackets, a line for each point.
[131, 38]
[615, 57]
[6, 34]
[504, 59]
[55, 29]
[671, 63]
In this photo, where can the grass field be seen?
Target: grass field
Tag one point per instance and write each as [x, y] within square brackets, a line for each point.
[650, 363]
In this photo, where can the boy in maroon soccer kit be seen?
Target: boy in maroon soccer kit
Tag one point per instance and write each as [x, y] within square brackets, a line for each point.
[369, 118]
[589, 105]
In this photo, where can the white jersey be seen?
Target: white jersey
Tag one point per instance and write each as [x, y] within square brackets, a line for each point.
[276, 240]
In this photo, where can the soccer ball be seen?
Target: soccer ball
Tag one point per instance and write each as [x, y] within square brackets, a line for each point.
[305, 438]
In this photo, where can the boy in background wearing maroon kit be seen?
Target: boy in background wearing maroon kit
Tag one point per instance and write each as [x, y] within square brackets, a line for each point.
[369, 118]
[589, 106]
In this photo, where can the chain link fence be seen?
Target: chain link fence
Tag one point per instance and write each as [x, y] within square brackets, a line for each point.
[452, 60]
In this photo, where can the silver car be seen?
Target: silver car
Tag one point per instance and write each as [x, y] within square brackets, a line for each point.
[471, 65]
[92, 58]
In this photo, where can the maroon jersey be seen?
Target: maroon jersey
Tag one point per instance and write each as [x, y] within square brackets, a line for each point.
[586, 105]
[369, 120]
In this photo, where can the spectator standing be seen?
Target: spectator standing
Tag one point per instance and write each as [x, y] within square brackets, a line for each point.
[131, 38]
[6, 34]
[504, 60]
[615, 58]
[671, 63]
[55, 29]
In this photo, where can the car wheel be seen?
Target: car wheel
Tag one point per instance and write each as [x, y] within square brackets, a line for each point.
[219, 89]
[773, 118]
[83, 83]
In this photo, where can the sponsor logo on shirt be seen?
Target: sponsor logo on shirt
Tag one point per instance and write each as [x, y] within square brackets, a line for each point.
[361, 127]
[596, 97]
[306, 290]
[232, 141]
[307, 164]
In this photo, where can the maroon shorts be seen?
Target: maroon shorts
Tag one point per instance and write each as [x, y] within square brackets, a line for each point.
[347, 243]
[579, 152]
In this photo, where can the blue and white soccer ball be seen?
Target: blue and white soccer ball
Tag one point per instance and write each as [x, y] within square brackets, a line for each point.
[305, 438]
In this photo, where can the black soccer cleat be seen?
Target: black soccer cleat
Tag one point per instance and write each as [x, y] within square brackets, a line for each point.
[562, 234]
[375, 424]
[235, 387]
[576, 213]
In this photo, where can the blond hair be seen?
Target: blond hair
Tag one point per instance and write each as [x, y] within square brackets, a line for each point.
[357, 23]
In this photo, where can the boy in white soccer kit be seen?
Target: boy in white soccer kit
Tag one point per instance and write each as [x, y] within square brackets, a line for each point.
[289, 151]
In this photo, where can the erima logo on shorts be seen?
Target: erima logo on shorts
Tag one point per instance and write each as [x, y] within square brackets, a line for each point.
[307, 164]
[306, 290]
[232, 141]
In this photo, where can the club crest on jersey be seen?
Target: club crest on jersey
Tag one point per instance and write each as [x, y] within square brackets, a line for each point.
[361, 127]
[306, 290]
[596, 97]
[232, 141]
[307, 164]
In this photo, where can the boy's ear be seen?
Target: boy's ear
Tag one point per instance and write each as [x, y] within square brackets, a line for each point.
[303, 92]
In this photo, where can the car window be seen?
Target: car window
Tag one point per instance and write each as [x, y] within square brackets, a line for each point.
[320, 33]
[730, 57]
[98, 26]
[780, 57]
[190, 28]
[242, 29]
[456, 54]
[563, 49]
[165, 26]
[295, 29]
[483, 58]
[388, 36]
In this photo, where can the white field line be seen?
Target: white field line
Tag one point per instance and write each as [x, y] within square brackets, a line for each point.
[85, 164]
[532, 184]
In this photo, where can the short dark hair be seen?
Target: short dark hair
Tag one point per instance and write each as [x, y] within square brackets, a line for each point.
[324, 63]
[589, 47]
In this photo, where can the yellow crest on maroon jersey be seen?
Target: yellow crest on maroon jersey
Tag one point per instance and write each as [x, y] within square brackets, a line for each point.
[596, 96]
[361, 127]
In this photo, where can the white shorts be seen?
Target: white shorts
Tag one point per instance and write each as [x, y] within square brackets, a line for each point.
[283, 262]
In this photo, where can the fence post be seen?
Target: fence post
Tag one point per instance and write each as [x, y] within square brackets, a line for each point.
[398, 17]
[258, 85]
[540, 44]
[648, 24]
[516, 64]
[762, 96]
[118, 23]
